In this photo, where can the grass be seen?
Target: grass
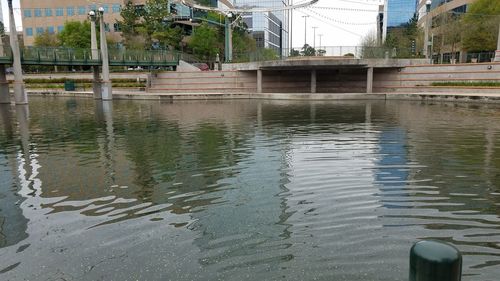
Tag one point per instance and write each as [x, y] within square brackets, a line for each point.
[466, 84]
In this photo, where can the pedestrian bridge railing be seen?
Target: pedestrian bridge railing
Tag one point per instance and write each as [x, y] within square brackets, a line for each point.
[84, 57]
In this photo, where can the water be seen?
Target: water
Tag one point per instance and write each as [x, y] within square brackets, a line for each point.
[244, 190]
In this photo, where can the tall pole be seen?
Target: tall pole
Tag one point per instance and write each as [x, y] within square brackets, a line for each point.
[20, 95]
[305, 29]
[107, 89]
[314, 28]
[428, 22]
[497, 53]
[96, 83]
[290, 26]
[228, 38]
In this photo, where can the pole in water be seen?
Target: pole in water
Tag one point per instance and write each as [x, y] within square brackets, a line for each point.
[435, 261]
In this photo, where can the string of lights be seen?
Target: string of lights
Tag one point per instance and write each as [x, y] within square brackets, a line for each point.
[341, 22]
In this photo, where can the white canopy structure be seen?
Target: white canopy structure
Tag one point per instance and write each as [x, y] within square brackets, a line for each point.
[190, 3]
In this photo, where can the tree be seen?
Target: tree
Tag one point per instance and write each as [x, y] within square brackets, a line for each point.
[2, 28]
[75, 34]
[308, 51]
[46, 39]
[206, 42]
[294, 53]
[128, 26]
[481, 21]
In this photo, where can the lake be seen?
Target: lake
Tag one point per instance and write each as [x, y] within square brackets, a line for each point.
[245, 190]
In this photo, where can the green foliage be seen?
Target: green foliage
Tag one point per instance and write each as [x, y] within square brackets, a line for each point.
[308, 51]
[2, 29]
[294, 53]
[75, 34]
[482, 22]
[128, 25]
[467, 84]
[206, 42]
[46, 40]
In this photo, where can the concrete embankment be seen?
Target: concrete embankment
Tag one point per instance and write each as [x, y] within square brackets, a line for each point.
[168, 97]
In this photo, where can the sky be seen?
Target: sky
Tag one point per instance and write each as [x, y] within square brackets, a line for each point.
[342, 22]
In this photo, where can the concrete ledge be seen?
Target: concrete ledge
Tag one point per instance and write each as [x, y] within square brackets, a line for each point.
[420, 96]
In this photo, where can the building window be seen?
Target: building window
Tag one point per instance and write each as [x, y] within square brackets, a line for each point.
[48, 12]
[82, 10]
[117, 27]
[93, 8]
[70, 11]
[59, 12]
[27, 13]
[116, 8]
[38, 13]
[50, 30]
[39, 30]
[29, 31]
[106, 8]
[60, 28]
[106, 27]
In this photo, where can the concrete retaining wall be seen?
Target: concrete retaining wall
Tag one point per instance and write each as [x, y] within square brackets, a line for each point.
[203, 82]
[411, 79]
[420, 78]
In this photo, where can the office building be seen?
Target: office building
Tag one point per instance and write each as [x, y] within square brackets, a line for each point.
[50, 16]
[269, 29]
[397, 13]
[440, 14]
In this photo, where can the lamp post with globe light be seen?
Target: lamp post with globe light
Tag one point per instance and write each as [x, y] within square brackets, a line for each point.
[497, 53]
[428, 22]
[107, 89]
[96, 84]
[20, 95]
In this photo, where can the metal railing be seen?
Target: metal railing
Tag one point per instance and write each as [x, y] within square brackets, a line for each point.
[82, 57]
[358, 52]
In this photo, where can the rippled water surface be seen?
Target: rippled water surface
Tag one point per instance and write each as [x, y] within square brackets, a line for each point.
[244, 190]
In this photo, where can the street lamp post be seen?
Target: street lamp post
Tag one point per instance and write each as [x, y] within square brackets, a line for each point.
[314, 44]
[305, 29]
[229, 38]
[428, 22]
[320, 43]
[96, 84]
[497, 53]
[107, 89]
[20, 95]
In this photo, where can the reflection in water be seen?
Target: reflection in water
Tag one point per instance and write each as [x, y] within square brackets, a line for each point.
[243, 190]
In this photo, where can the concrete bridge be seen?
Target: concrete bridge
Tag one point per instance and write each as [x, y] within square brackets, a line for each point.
[294, 69]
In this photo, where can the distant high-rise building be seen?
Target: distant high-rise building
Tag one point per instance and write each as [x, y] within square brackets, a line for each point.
[269, 29]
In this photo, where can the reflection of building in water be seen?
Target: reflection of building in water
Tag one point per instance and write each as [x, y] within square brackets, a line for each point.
[392, 165]
[246, 223]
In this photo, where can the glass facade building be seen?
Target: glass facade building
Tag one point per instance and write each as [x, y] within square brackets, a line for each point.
[397, 13]
[270, 29]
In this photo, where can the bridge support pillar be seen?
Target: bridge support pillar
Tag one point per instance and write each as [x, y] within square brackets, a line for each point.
[313, 81]
[20, 95]
[4, 86]
[107, 89]
[96, 84]
[259, 81]
[369, 81]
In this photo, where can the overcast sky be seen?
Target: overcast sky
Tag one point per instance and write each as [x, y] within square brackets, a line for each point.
[342, 22]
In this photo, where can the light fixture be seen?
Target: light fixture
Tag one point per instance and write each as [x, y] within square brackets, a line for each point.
[101, 10]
